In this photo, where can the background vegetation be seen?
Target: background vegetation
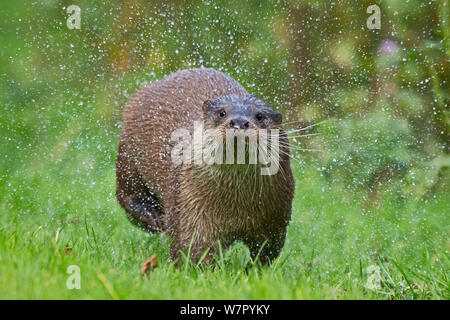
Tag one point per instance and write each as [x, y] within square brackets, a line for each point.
[371, 212]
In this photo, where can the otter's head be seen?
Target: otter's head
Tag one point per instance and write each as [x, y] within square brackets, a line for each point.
[240, 113]
[248, 121]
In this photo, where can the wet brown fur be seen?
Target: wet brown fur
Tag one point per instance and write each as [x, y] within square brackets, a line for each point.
[197, 205]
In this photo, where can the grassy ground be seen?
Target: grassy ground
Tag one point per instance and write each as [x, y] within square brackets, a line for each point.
[57, 190]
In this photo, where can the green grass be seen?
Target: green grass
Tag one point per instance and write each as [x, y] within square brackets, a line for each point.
[57, 189]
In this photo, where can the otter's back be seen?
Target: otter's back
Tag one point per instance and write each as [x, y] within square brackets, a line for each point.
[161, 107]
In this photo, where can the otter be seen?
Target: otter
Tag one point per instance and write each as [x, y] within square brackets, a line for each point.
[202, 206]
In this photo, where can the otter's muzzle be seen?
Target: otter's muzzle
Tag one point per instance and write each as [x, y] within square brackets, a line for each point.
[239, 123]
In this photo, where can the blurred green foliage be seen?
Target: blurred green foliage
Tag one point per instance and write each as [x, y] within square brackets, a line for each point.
[387, 89]
[369, 147]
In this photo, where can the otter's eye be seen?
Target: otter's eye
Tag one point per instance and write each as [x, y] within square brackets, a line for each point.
[222, 113]
[259, 116]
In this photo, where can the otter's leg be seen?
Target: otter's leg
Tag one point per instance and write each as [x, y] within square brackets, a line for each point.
[197, 244]
[196, 249]
[132, 194]
[267, 246]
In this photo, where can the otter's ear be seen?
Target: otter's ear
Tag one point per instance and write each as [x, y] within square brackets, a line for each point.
[207, 106]
[278, 118]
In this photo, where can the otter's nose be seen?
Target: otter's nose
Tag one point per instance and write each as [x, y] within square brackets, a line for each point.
[239, 123]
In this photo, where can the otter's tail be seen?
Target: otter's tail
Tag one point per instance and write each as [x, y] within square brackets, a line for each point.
[141, 204]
